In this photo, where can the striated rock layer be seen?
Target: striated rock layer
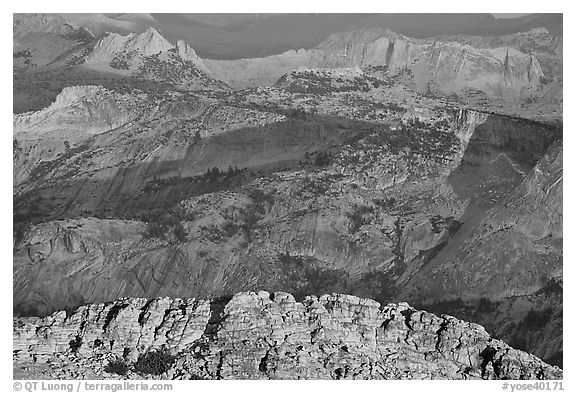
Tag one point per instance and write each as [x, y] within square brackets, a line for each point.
[270, 335]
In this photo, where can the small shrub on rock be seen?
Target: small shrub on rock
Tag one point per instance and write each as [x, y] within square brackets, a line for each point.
[154, 362]
[117, 366]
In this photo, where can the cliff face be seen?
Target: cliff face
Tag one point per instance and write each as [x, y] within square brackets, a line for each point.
[513, 249]
[449, 67]
[271, 336]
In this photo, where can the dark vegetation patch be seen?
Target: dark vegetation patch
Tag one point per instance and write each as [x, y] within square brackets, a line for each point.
[166, 224]
[75, 344]
[440, 223]
[385, 203]
[243, 221]
[459, 308]
[174, 70]
[302, 276]
[25, 55]
[117, 366]
[428, 140]
[310, 187]
[486, 305]
[322, 159]
[212, 180]
[552, 287]
[154, 362]
[536, 320]
[311, 82]
[454, 307]
[121, 60]
[378, 285]
[360, 215]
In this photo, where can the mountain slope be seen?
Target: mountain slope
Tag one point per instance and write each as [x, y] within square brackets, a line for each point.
[114, 60]
[39, 39]
[148, 56]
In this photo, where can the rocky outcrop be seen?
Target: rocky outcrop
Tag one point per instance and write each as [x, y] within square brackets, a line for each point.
[147, 56]
[127, 127]
[77, 112]
[326, 81]
[271, 336]
[186, 53]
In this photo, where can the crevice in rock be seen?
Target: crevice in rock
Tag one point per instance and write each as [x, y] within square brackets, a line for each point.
[389, 52]
[219, 366]
[166, 312]
[217, 316]
[114, 310]
[443, 327]
[143, 311]
[487, 356]
[263, 366]
[407, 314]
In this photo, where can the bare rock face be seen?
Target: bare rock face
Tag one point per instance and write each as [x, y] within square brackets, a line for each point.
[79, 111]
[271, 336]
[144, 56]
[450, 67]
[148, 43]
[504, 252]
[188, 54]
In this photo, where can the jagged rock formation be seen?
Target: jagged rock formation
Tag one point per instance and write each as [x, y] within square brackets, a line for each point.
[147, 55]
[126, 52]
[113, 59]
[147, 43]
[271, 336]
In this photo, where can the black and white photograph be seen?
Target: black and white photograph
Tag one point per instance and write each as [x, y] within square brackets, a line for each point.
[283, 196]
